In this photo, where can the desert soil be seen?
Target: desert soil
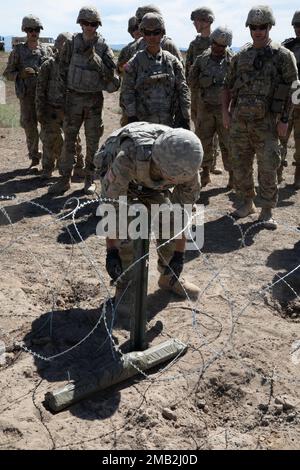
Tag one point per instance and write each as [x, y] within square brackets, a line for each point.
[237, 387]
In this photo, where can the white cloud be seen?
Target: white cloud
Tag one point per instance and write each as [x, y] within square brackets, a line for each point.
[61, 16]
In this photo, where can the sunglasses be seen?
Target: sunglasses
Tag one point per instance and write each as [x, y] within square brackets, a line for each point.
[94, 24]
[259, 27]
[150, 32]
[33, 30]
[219, 45]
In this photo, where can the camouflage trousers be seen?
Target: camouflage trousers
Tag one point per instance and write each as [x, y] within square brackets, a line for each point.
[52, 136]
[147, 197]
[30, 125]
[294, 123]
[82, 108]
[210, 124]
[247, 139]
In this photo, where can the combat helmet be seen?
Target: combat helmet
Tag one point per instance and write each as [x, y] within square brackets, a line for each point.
[222, 35]
[132, 24]
[31, 21]
[141, 11]
[61, 39]
[90, 14]
[260, 14]
[203, 13]
[296, 17]
[178, 153]
[152, 21]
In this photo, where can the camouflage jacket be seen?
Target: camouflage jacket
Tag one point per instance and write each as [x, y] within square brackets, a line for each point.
[196, 47]
[254, 75]
[293, 45]
[22, 57]
[50, 89]
[167, 44]
[125, 56]
[131, 164]
[154, 88]
[208, 75]
[88, 67]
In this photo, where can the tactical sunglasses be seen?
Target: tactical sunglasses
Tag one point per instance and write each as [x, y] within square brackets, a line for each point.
[219, 45]
[150, 32]
[94, 24]
[296, 25]
[33, 30]
[259, 27]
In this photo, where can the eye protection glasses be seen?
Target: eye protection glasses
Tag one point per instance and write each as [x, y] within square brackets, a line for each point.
[258, 27]
[33, 30]
[94, 24]
[154, 32]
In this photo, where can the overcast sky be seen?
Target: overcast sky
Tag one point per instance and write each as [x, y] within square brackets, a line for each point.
[58, 16]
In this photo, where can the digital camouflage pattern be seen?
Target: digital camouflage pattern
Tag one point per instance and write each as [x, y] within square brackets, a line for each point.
[20, 58]
[260, 14]
[167, 44]
[203, 13]
[253, 78]
[31, 21]
[207, 77]
[141, 11]
[90, 14]
[154, 88]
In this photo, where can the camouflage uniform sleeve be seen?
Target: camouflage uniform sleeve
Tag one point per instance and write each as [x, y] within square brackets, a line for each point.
[65, 59]
[123, 170]
[42, 86]
[288, 66]
[108, 63]
[128, 88]
[231, 74]
[182, 89]
[171, 47]
[123, 58]
[12, 69]
[187, 193]
[189, 60]
[194, 72]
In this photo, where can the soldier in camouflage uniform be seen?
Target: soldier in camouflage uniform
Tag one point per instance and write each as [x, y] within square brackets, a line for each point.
[134, 31]
[50, 97]
[87, 68]
[206, 78]
[23, 67]
[293, 44]
[143, 162]
[154, 81]
[256, 100]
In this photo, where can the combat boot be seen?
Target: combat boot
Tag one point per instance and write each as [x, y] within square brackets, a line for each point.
[230, 184]
[182, 288]
[205, 177]
[79, 172]
[123, 301]
[89, 185]
[46, 174]
[280, 177]
[267, 219]
[297, 177]
[60, 187]
[246, 209]
[216, 171]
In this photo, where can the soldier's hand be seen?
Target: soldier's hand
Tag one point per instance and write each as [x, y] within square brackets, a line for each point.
[114, 263]
[27, 72]
[282, 129]
[226, 120]
[132, 119]
[175, 266]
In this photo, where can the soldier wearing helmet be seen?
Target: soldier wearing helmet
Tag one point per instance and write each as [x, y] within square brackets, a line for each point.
[87, 68]
[293, 44]
[144, 162]
[154, 87]
[134, 31]
[23, 67]
[256, 100]
[207, 77]
[50, 98]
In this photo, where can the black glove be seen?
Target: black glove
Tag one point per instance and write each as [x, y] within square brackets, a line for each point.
[114, 263]
[132, 119]
[175, 266]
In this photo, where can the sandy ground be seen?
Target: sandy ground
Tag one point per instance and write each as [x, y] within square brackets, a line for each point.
[237, 387]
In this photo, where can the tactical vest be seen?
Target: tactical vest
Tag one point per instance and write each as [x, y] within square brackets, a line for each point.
[84, 74]
[258, 74]
[142, 134]
[155, 87]
[29, 58]
[55, 90]
[212, 76]
[199, 45]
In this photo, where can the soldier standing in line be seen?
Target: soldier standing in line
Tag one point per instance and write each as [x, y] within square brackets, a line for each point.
[154, 88]
[144, 161]
[206, 78]
[87, 68]
[293, 44]
[134, 31]
[23, 67]
[50, 100]
[256, 100]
